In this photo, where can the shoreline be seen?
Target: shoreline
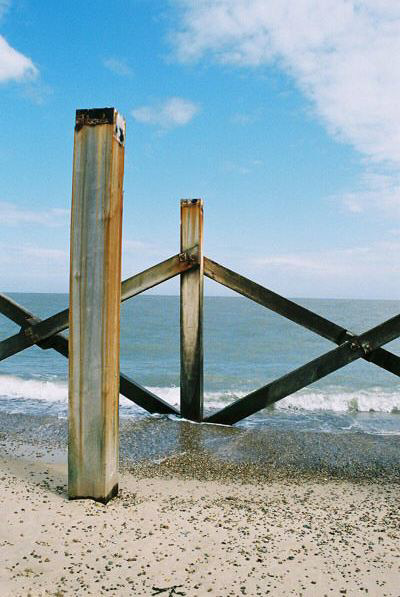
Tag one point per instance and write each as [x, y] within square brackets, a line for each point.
[157, 445]
[200, 519]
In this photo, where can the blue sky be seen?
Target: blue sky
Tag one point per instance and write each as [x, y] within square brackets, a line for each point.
[285, 120]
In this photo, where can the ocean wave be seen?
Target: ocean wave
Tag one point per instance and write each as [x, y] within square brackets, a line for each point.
[373, 400]
[334, 399]
[33, 389]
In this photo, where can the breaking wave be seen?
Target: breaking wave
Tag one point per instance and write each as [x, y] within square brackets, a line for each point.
[13, 388]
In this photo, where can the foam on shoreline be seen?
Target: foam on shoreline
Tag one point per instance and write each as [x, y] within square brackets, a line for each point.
[333, 410]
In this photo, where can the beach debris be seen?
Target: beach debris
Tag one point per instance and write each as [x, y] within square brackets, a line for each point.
[172, 590]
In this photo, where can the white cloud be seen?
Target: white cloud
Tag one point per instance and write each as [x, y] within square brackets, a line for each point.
[343, 54]
[118, 66]
[378, 191]
[12, 215]
[33, 268]
[365, 271]
[370, 271]
[175, 111]
[44, 254]
[14, 66]
[29, 257]
[327, 263]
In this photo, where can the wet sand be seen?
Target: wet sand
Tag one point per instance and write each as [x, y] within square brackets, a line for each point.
[202, 510]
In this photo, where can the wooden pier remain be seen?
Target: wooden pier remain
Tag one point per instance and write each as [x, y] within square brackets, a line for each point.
[94, 311]
[93, 317]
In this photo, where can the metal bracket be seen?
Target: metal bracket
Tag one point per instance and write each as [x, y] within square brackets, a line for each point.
[188, 256]
[29, 331]
[356, 344]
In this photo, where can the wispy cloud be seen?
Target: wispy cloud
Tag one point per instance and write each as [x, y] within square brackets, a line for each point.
[343, 55]
[44, 254]
[244, 118]
[13, 215]
[118, 66]
[343, 262]
[244, 168]
[378, 191]
[29, 256]
[137, 246]
[138, 255]
[175, 111]
[31, 267]
[135, 249]
[363, 271]
[38, 92]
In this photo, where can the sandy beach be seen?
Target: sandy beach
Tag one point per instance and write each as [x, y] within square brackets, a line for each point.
[185, 526]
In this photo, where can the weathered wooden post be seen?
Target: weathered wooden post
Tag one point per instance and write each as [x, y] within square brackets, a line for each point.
[192, 283]
[94, 312]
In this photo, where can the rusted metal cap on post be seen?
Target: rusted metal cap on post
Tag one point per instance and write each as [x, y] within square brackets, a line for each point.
[188, 202]
[98, 116]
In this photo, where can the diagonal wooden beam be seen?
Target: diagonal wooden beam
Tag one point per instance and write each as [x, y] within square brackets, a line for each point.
[157, 274]
[40, 331]
[293, 311]
[142, 397]
[309, 373]
[130, 389]
[14, 311]
[273, 301]
[385, 359]
[33, 334]
[25, 318]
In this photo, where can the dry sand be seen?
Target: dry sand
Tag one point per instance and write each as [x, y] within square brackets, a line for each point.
[175, 535]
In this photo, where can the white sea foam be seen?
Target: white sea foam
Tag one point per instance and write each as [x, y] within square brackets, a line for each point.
[33, 389]
[375, 399]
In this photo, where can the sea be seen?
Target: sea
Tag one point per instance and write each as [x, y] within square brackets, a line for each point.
[245, 347]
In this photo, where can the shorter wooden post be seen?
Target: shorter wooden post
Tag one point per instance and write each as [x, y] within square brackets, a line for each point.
[95, 291]
[192, 283]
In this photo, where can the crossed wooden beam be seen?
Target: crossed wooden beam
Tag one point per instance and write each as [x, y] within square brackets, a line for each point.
[47, 334]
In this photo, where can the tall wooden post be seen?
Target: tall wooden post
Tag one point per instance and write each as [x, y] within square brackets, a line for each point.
[94, 312]
[192, 283]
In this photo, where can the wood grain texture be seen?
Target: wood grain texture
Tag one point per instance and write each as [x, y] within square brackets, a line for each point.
[95, 290]
[191, 301]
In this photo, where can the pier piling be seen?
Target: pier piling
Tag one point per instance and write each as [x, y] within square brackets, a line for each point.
[192, 284]
[94, 311]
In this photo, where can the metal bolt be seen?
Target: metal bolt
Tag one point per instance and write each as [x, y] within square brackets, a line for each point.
[366, 346]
